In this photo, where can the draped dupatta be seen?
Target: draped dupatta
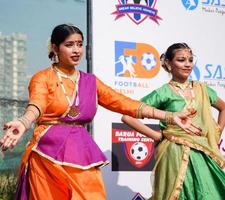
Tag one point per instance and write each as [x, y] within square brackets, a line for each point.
[172, 153]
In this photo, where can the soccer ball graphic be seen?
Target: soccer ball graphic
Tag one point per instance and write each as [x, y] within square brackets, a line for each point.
[148, 61]
[139, 151]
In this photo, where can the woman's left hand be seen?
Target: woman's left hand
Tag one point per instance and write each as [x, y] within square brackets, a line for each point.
[184, 121]
[14, 131]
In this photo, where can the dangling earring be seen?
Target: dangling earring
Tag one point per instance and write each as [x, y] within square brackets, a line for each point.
[168, 67]
[56, 58]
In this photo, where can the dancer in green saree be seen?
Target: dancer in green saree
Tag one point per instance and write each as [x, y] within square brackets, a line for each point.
[188, 166]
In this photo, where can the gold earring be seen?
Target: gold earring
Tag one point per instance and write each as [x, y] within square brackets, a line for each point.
[56, 58]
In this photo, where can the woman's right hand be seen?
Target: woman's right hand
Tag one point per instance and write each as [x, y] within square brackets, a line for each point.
[14, 131]
[184, 121]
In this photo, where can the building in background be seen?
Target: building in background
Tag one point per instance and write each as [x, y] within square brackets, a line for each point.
[13, 77]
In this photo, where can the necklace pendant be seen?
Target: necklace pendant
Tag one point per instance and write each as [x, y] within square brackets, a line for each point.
[73, 112]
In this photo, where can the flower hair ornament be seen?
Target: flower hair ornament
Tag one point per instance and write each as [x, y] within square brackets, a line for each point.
[49, 46]
[51, 54]
[164, 64]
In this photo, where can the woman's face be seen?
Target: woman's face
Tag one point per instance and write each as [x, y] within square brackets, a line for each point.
[70, 51]
[181, 65]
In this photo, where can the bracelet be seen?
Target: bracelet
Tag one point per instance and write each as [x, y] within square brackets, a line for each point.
[25, 121]
[31, 104]
[36, 115]
[160, 140]
[140, 111]
[169, 117]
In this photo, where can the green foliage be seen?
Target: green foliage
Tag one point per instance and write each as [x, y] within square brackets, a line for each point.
[8, 180]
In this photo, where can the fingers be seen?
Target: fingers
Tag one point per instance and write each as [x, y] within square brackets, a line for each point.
[7, 135]
[186, 124]
[5, 142]
[189, 132]
[196, 128]
[8, 140]
[7, 126]
[9, 144]
[194, 131]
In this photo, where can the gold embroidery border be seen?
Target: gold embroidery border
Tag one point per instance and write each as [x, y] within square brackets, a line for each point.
[219, 160]
[179, 182]
[100, 163]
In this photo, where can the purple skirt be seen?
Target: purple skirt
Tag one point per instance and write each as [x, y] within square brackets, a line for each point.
[70, 145]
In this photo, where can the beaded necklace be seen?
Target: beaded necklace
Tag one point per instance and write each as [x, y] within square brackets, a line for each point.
[73, 111]
[180, 89]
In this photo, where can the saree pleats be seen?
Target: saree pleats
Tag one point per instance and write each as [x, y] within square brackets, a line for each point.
[166, 172]
[204, 179]
[71, 183]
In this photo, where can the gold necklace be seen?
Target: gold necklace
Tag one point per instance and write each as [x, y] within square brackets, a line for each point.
[72, 77]
[180, 89]
[182, 86]
[73, 110]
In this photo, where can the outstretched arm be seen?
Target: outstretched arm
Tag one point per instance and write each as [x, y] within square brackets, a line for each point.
[114, 101]
[140, 127]
[16, 128]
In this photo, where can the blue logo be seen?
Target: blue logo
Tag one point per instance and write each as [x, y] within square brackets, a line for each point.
[214, 72]
[208, 6]
[136, 60]
[190, 4]
[213, 3]
[195, 74]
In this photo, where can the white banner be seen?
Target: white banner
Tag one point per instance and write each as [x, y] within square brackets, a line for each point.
[127, 41]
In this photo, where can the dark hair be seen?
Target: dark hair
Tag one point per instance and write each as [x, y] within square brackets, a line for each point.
[60, 33]
[170, 53]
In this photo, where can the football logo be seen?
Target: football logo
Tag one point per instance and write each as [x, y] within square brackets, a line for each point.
[136, 60]
[137, 10]
[148, 61]
[139, 151]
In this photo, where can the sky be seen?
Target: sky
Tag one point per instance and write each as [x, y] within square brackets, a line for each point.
[36, 19]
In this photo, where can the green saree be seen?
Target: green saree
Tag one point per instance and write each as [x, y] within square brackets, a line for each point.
[187, 166]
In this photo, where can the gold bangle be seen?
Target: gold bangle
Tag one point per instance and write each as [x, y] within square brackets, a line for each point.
[36, 115]
[25, 121]
[140, 111]
[169, 117]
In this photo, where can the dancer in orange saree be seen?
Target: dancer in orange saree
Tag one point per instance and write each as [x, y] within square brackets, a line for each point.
[187, 166]
[62, 160]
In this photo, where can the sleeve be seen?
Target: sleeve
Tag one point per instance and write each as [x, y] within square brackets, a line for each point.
[38, 92]
[114, 101]
[153, 99]
[212, 95]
